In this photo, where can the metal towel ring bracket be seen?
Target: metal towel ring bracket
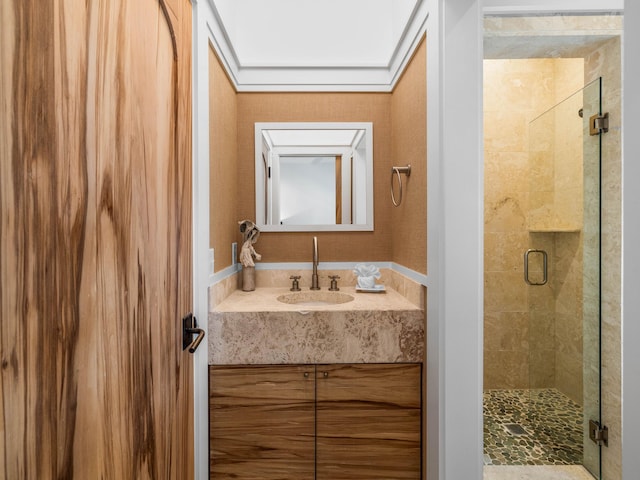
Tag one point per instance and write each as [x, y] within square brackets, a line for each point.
[397, 171]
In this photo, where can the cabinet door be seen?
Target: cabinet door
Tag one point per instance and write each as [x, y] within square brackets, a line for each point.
[262, 422]
[368, 421]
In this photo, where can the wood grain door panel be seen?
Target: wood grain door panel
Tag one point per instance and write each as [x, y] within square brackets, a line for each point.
[368, 421]
[95, 244]
[261, 422]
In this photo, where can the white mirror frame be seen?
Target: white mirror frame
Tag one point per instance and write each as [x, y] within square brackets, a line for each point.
[261, 220]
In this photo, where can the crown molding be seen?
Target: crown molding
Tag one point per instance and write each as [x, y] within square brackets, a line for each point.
[316, 77]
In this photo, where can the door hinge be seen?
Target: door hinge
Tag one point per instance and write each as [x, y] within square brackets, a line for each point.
[598, 123]
[599, 434]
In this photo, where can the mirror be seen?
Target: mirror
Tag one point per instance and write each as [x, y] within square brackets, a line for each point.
[314, 176]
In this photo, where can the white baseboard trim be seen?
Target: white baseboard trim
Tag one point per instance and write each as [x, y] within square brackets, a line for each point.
[225, 273]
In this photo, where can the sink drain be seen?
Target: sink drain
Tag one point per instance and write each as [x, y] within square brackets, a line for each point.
[515, 429]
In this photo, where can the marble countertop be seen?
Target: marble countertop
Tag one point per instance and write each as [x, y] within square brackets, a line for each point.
[255, 328]
[265, 300]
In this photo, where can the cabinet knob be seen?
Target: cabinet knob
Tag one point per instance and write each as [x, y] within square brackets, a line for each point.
[306, 374]
[325, 374]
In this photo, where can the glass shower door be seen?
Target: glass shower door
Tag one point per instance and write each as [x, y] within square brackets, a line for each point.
[562, 272]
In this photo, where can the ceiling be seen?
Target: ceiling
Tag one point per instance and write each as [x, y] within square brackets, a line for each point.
[364, 45]
[318, 45]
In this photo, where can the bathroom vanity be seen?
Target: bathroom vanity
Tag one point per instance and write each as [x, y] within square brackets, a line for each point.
[315, 389]
[325, 421]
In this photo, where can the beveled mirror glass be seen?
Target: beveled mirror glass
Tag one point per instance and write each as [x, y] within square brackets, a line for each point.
[314, 176]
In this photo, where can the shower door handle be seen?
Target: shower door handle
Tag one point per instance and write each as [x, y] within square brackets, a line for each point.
[526, 266]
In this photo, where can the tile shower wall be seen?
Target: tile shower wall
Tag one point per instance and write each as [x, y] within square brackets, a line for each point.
[605, 62]
[528, 88]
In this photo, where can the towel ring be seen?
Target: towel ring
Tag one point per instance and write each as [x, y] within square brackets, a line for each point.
[397, 171]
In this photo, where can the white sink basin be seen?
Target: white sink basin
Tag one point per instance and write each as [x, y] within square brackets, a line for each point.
[314, 298]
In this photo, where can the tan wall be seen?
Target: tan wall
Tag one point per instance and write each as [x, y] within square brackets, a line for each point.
[529, 88]
[319, 107]
[223, 173]
[409, 146]
[605, 62]
[399, 126]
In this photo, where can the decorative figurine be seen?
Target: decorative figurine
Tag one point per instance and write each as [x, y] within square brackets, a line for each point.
[250, 234]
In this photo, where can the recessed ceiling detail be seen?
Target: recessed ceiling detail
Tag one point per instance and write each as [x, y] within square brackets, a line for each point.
[316, 45]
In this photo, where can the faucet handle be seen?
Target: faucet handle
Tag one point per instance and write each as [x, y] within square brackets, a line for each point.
[334, 283]
[295, 286]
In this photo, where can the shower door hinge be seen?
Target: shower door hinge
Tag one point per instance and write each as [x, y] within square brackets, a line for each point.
[599, 434]
[598, 123]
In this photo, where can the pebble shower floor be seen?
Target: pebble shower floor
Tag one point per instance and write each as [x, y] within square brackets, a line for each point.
[531, 427]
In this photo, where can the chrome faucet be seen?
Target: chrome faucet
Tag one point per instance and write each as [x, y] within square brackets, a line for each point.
[314, 276]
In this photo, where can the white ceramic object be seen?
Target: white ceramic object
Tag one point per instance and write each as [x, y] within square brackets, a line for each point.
[366, 282]
[367, 275]
[374, 289]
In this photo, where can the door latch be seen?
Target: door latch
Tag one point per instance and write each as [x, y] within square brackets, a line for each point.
[189, 329]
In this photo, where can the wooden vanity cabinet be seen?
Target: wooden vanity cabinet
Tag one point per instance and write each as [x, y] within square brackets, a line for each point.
[368, 421]
[324, 422]
[261, 422]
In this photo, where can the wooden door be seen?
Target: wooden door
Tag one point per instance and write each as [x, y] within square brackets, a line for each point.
[368, 422]
[95, 260]
[261, 422]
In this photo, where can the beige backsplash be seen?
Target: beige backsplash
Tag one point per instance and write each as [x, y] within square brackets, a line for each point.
[411, 290]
